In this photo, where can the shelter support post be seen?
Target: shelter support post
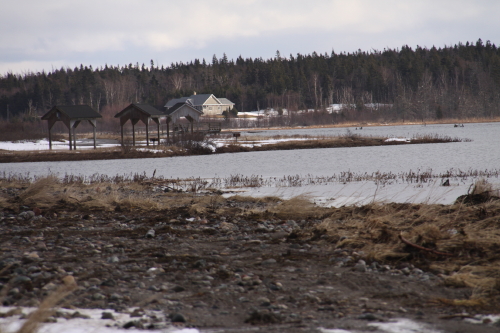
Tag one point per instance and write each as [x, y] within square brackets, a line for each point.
[123, 120]
[51, 123]
[168, 129]
[157, 121]
[134, 121]
[73, 125]
[133, 134]
[94, 126]
[70, 139]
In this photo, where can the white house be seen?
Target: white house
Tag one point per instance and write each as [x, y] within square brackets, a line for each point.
[206, 103]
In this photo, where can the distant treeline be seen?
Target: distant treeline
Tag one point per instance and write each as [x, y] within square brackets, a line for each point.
[460, 81]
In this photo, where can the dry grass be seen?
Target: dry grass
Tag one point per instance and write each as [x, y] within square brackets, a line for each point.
[39, 190]
[46, 309]
[470, 233]
[47, 306]
[297, 208]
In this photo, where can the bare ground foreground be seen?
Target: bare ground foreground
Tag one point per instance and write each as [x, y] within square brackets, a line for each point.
[243, 264]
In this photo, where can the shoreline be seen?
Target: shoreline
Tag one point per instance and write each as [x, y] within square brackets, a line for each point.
[128, 152]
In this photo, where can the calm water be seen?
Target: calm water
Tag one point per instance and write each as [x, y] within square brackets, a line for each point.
[480, 154]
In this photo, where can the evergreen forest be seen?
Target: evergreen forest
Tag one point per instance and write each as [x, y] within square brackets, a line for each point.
[411, 84]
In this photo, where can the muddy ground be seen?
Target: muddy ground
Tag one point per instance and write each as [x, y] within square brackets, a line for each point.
[234, 264]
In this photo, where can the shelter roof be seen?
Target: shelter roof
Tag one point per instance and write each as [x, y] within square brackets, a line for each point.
[178, 106]
[147, 109]
[73, 112]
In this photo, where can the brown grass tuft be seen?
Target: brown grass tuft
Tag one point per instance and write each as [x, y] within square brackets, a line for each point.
[46, 308]
[40, 188]
[298, 208]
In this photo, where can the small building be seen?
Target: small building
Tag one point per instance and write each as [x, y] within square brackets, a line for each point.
[179, 110]
[206, 103]
[71, 116]
[143, 112]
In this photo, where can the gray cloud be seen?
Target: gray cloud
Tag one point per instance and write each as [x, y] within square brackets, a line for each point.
[40, 35]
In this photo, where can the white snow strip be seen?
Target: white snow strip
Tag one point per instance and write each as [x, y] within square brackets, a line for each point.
[361, 193]
[79, 325]
[397, 140]
[56, 145]
[403, 325]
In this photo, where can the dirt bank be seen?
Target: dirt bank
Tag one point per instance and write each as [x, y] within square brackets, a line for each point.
[208, 262]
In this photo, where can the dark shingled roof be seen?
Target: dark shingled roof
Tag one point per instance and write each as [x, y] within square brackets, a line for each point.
[178, 106]
[175, 101]
[146, 108]
[74, 112]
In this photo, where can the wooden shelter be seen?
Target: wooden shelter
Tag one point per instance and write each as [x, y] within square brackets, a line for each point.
[71, 116]
[180, 110]
[144, 112]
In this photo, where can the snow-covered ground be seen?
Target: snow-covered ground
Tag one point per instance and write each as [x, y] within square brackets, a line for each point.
[94, 323]
[361, 193]
[43, 144]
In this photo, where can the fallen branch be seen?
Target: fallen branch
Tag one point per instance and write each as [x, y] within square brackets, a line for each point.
[407, 242]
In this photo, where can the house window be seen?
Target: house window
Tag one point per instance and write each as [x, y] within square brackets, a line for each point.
[219, 108]
[210, 108]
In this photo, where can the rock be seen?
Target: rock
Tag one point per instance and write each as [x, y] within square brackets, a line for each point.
[368, 316]
[417, 271]
[107, 315]
[77, 314]
[13, 292]
[177, 318]
[178, 289]
[150, 233]
[270, 261]
[41, 246]
[21, 279]
[98, 297]
[109, 283]
[27, 215]
[137, 313]
[113, 259]
[49, 286]
[136, 324]
[360, 266]
[226, 226]
[263, 317]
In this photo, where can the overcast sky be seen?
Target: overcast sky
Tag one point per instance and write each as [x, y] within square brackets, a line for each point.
[40, 35]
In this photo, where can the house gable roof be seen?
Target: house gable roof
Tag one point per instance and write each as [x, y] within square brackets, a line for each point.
[225, 101]
[194, 100]
[202, 99]
[73, 112]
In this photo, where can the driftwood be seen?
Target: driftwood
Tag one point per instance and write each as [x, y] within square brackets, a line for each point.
[407, 242]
